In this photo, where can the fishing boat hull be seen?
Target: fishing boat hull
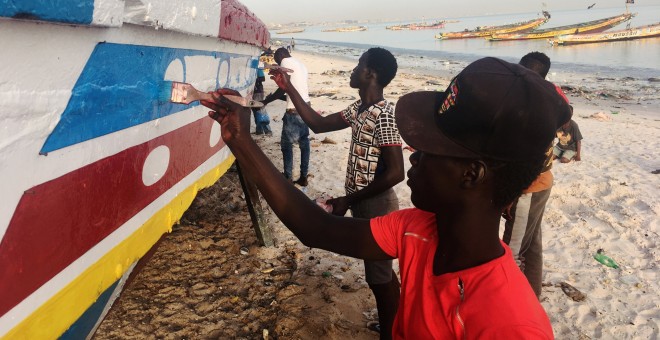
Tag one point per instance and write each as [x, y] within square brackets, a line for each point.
[481, 33]
[97, 166]
[643, 32]
[588, 27]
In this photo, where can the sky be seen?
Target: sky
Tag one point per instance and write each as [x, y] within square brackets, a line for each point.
[287, 11]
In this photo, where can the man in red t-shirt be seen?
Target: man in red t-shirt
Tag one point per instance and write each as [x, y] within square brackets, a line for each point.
[479, 144]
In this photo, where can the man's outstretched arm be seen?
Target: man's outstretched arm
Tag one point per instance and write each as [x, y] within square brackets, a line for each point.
[314, 121]
[313, 226]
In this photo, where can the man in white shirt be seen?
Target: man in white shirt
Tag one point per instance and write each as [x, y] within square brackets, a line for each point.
[294, 129]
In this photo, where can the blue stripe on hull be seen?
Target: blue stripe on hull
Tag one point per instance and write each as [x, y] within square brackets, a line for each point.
[85, 324]
[119, 88]
[65, 11]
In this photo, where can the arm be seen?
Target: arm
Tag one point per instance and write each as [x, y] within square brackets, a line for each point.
[393, 158]
[313, 120]
[278, 94]
[577, 154]
[313, 226]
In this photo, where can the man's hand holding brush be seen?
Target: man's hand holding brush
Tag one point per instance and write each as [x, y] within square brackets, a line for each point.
[234, 119]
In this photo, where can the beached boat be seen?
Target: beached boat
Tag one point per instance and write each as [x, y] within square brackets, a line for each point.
[417, 26]
[485, 31]
[96, 165]
[346, 29]
[642, 32]
[594, 26]
[290, 31]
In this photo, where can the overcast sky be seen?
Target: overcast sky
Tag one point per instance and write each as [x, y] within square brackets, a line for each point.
[285, 11]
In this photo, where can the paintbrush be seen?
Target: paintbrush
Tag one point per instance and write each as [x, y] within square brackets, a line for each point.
[277, 67]
[177, 92]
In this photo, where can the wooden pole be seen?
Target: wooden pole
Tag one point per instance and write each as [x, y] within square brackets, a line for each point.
[252, 198]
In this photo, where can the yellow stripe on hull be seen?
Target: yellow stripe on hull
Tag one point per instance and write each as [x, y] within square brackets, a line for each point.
[55, 316]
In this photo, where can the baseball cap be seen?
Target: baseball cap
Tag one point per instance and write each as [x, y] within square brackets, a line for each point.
[492, 109]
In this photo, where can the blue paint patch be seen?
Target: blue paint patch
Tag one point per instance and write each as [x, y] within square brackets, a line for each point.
[119, 88]
[65, 11]
[85, 324]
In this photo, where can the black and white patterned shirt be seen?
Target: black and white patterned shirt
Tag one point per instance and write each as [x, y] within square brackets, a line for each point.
[372, 128]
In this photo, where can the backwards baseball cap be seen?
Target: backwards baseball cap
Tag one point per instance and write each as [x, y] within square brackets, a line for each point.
[493, 109]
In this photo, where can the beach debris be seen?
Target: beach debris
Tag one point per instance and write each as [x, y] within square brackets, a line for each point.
[326, 274]
[604, 259]
[336, 73]
[244, 251]
[600, 116]
[572, 292]
[264, 334]
[327, 140]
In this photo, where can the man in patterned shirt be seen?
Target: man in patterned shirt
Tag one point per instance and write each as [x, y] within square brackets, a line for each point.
[375, 161]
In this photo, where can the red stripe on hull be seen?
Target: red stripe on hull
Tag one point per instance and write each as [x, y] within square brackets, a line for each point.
[238, 24]
[56, 222]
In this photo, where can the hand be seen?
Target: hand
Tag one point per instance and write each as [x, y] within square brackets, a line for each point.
[234, 119]
[281, 78]
[340, 205]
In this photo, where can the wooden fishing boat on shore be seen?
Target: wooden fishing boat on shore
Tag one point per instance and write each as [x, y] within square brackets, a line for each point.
[641, 32]
[485, 31]
[346, 29]
[418, 26]
[593, 26]
[96, 164]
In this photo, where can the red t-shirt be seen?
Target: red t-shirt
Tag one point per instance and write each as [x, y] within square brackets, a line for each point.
[490, 301]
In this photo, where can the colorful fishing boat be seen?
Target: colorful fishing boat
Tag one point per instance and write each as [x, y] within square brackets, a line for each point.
[96, 165]
[594, 26]
[485, 31]
[642, 32]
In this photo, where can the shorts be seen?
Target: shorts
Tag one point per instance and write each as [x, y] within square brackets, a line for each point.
[561, 153]
[377, 272]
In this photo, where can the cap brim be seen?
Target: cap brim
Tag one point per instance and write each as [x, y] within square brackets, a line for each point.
[415, 118]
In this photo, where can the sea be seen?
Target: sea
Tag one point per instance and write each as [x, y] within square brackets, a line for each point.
[635, 59]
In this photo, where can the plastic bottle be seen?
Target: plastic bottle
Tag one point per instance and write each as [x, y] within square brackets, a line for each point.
[604, 259]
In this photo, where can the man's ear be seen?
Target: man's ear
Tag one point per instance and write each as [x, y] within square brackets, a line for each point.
[474, 174]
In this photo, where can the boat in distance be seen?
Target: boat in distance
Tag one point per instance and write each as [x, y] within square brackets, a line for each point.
[593, 26]
[641, 32]
[484, 31]
[346, 29]
[418, 26]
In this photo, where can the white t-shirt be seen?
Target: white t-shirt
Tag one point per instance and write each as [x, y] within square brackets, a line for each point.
[298, 79]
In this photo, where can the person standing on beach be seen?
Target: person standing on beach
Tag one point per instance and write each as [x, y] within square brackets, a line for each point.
[479, 144]
[522, 231]
[261, 119]
[294, 129]
[375, 161]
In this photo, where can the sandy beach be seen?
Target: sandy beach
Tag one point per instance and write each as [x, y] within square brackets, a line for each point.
[209, 278]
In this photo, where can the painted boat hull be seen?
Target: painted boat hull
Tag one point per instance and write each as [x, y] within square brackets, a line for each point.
[528, 25]
[590, 27]
[649, 31]
[96, 167]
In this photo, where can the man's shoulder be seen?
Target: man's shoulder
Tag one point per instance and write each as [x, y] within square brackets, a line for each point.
[413, 219]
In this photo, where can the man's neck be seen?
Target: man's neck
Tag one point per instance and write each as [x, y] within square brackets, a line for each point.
[466, 240]
[370, 96]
